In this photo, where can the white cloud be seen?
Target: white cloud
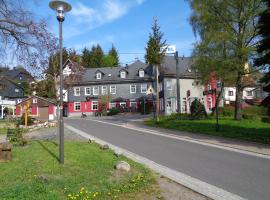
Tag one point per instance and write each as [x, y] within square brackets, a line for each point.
[106, 12]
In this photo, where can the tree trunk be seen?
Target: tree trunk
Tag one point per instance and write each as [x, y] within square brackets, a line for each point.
[157, 95]
[238, 98]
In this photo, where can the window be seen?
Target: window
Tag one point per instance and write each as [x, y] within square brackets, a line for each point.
[209, 87]
[95, 90]
[98, 75]
[143, 88]
[132, 89]
[104, 90]
[249, 93]
[184, 105]
[112, 105]
[77, 106]
[141, 73]
[122, 104]
[123, 74]
[133, 104]
[113, 89]
[230, 93]
[95, 105]
[76, 91]
[35, 100]
[16, 90]
[87, 91]
[169, 84]
[209, 103]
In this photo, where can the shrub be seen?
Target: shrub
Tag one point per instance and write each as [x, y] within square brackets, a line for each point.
[16, 136]
[197, 110]
[29, 120]
[113, 111]
[255, 110]
[252, 117]
[226, 111]
[266, 119]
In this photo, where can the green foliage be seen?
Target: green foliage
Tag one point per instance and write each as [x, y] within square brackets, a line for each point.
[113, 52]
[228, 35]
[197, 110]
[154, 54]
[46, 88]
[26, 87]
[226, 111]
[109, 61]
[113, 111]
[266, 119]
[15, 136]
[21, 120]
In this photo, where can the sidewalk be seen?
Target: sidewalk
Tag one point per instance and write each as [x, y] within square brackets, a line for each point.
[219, 141]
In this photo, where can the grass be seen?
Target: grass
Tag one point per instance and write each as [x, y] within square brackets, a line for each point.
[88, 172]
[247, 130]
[4, 125]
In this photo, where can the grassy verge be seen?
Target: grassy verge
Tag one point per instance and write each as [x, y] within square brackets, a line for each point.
[88, 173]
[248, 130]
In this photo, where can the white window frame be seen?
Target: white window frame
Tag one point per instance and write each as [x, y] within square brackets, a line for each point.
[143, 87]
[132, 87]
[77, 93]
[95, 90]
[122, 74]
[124, 104]
[141, 73]
[113, 87]
[98, 75]
[94, 103]
[104, 90]
[17, 90]
[77, 104]
[112, 105]
[167, 84]
[85, 89]
[34, 100]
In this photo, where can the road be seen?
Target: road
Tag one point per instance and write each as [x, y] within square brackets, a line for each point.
[244, 175]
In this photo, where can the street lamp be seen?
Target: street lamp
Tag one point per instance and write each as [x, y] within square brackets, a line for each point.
[60, 7]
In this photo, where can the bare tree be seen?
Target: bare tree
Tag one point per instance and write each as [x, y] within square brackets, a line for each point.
[23, 35]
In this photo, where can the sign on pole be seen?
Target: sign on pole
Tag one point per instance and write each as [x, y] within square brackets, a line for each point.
[170, 49]
[150, 90]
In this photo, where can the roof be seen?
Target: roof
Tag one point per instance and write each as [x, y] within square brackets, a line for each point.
[15, 72]
[11, 81]
[52, 101]
[112, 74]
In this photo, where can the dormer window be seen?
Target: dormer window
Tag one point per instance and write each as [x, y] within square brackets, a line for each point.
[98, 76]
[141, 73]
[123, 74]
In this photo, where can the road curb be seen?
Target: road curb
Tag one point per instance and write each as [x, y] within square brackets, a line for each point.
[201, 187]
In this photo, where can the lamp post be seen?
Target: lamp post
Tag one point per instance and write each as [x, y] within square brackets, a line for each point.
[60, 7]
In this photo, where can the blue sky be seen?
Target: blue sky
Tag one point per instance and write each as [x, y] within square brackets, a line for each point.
[124, 23]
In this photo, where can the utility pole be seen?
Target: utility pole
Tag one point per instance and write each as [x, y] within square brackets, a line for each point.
[177, 84]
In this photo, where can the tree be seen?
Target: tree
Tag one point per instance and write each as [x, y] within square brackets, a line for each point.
[97, 56]
[229, 34]
[113, 52]
[264, 51]
[108, 61]
[155, 54]
[86, 58]
[24, 34]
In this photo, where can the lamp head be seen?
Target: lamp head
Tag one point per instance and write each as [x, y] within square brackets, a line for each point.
[61, 7]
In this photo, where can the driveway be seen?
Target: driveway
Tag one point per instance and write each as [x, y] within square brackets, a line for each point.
[245, 175]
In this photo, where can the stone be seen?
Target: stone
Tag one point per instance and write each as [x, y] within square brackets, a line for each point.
[5, 152]
[104, 147]
[43, 178]
[117, 153]
[123, 165]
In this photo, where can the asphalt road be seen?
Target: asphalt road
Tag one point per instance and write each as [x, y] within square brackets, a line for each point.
[244, 175]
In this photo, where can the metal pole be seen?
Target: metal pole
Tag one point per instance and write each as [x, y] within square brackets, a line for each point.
[157, 96]
[177, 84]
[61, 124]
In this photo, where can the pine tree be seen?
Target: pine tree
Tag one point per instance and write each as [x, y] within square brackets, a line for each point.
[86, 58]
[155, 55]
[113, 52]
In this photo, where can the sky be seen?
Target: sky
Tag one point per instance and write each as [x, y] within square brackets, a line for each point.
[124, 23]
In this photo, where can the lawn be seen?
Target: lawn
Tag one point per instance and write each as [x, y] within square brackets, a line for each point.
[4, 125]
[248, 130]
[34, 173]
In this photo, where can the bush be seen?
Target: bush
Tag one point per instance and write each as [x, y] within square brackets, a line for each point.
[113, 111]
[226, 111]
[15, 136]
[266, 119]
[255, 110]
[252, 117]
[29, 120]
[197, 110]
